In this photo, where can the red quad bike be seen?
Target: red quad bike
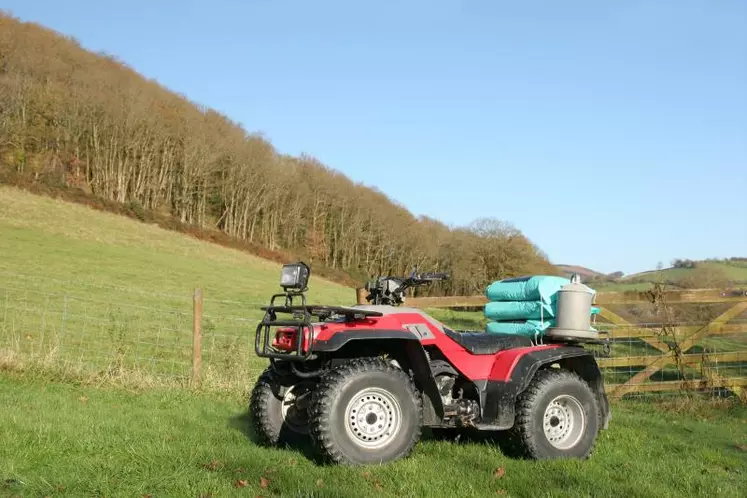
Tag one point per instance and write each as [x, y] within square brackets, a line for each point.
[362, 381]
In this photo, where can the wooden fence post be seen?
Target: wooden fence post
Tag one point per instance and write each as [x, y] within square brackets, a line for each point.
[197, 338]
[360, 294]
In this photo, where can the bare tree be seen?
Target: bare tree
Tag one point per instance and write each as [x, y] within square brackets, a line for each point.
[91, 122]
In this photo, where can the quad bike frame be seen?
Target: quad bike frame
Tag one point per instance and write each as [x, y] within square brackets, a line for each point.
[465, 380]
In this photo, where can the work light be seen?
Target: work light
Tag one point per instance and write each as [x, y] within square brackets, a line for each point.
[295, 276]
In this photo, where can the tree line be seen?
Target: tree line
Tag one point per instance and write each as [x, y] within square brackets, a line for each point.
[94, 123]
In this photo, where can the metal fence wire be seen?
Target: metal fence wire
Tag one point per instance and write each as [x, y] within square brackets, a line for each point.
[94, 335]
[693, 346]
[649, 352]
[90, 336]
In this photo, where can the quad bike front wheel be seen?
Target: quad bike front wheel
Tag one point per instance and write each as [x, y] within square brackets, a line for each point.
[365, 411]
[278, 408]
[556, 417]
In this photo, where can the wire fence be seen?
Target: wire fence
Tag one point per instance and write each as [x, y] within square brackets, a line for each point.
[150, 344]
[150, 338]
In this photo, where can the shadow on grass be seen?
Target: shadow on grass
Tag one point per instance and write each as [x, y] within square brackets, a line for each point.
[460, 436]
[294, 442]
[242, 423]
[499, 439]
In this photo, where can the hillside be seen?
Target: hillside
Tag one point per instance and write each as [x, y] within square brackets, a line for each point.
[57, 246]
[92, 290]
[583, 272]
[686, 274]
[699, 274]
[79, 120]
[733, 270]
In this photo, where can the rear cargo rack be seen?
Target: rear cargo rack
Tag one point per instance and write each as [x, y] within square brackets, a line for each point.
[300, 320]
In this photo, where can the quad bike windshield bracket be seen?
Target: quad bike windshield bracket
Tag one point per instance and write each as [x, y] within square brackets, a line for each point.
[391, 290]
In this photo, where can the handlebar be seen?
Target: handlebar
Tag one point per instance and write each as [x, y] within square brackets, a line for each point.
[434, 276]
[424, 278]
[380, 293]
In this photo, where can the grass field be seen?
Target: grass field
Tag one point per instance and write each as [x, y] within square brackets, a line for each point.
[90, 291]
[99, 293]
[104, 292]
[65, 440]
[96, 293]
[65, 247]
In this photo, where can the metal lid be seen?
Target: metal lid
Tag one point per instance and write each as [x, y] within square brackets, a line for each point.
[577, 287]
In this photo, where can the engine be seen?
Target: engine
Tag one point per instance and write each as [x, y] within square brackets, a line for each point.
[457, 395]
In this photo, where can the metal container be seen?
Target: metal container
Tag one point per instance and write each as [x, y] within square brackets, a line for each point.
[573, 312]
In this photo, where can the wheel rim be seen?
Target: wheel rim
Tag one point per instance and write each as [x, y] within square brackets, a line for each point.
[373, 418]
[564, 422]
[293, 407]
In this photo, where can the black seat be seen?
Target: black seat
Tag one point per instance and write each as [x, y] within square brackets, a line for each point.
[485, 343]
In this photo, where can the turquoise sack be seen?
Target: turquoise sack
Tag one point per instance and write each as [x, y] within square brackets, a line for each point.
[530, 328]
[537, 288]
[518, 310]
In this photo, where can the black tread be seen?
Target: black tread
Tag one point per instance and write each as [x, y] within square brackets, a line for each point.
[522, 441]
[268, 431]
[331, 384]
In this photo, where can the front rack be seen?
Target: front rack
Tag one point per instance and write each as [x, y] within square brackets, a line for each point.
[300, 320]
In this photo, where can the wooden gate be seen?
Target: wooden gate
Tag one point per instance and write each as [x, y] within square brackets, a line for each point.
[674, 343]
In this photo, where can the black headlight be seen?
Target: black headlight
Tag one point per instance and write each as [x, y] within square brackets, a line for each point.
[295, 277]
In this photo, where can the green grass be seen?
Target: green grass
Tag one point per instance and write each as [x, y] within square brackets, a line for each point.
[101, 292]
[66, 440]
[88, 291]
[65, 247]
[93, 292]
[459, 320]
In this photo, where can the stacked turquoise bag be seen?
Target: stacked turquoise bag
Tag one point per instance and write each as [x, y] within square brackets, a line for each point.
[523, 306]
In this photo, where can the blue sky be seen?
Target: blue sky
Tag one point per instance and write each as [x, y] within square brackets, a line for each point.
[613, 134]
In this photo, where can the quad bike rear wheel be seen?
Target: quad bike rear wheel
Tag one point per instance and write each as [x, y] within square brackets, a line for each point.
[557, 416]
[365, 411]
[278, 408]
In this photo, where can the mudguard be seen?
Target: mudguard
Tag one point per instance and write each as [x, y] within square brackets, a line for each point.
[498, 397]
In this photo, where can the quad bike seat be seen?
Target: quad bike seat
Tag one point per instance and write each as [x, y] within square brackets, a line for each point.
[485, 343]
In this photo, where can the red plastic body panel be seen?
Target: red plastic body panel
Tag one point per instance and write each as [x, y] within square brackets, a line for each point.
[497, 367]
[505, 361]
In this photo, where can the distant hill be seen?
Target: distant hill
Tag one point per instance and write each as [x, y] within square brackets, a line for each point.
[583, 272]
[683, 274]
[734, 270]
